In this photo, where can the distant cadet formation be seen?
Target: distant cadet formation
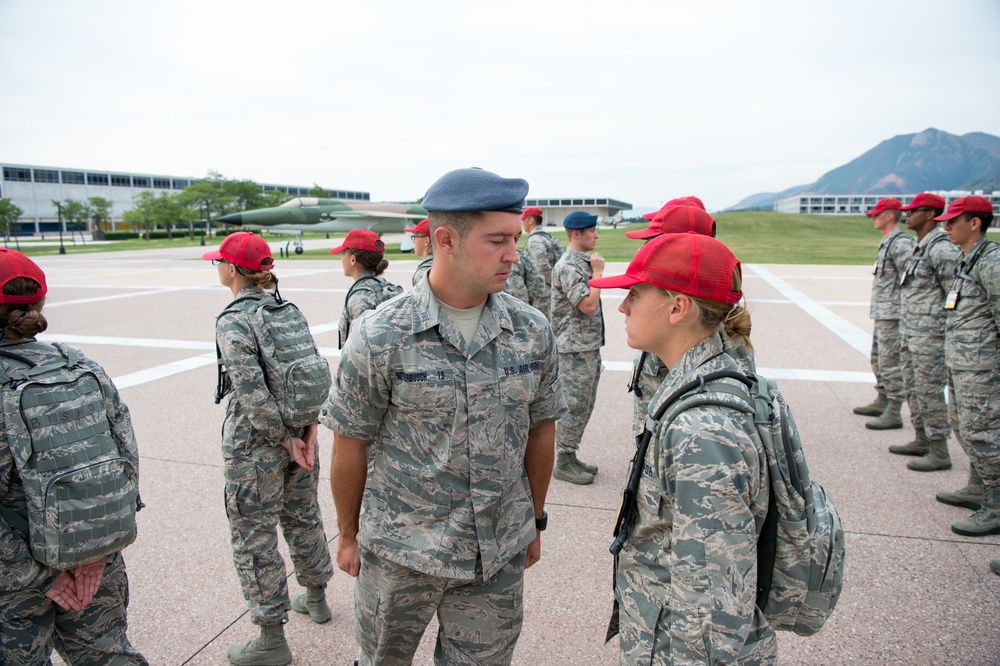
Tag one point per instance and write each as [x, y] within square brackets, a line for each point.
[936, 306]
[451, 413]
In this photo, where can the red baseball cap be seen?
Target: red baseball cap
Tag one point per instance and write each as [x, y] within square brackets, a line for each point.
[245, 250]
[13, 264]
[691, 264]
[531, 212]
[971, 204]
[925, 199]
[884, 205]
[677, 220]
[680, 201]
[361, 239]
[423, 228]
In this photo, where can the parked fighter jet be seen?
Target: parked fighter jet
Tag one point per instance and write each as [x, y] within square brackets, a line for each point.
[315, 214]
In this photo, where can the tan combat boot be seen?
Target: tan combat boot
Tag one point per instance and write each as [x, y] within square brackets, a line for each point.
[918, 447]
[568, 470]
[986, 520]
[589, 469]
[313, 602]
[269, 649]
[995, 566]
[970, 497]
[890, 418]
[874, 408]
[934, 460]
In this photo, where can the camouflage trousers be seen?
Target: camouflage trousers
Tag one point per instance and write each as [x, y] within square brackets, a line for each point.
[31, 626]
[925, 377]
[264, 489]
[975, 411]
[886, 359]
[580, 372]
[480, 620]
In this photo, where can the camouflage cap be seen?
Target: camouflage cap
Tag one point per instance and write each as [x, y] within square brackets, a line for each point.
[13, 265]
[468, 190]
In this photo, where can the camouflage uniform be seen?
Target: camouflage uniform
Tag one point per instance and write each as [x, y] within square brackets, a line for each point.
[30, 623]
[365, 294]
[545, 251]
[526, 283]
[928, 274]
[686, 578]
[447, 423]
[263, 485]
[972, 351]
[643, 386]
[893, 252]
[580, 338]
[423, 268]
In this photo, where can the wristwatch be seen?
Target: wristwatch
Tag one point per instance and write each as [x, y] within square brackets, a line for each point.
[543, 522]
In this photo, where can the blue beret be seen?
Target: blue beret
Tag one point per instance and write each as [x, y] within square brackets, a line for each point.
[580, 220]
[465, 190]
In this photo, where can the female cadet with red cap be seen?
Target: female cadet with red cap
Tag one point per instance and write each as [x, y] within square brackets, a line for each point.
[686, 577]
[81, 610]
[270, 468]
[363, 262]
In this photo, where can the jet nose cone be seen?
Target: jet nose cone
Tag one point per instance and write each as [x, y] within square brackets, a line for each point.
[233, 218]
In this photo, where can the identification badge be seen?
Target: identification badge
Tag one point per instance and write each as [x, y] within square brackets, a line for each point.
[952, 300]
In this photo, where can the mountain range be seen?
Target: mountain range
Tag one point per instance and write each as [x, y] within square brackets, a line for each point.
[906, 164]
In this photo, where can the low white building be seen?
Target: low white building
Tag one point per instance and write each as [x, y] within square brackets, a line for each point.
[859, 204]
[33, 189]
[555, 210]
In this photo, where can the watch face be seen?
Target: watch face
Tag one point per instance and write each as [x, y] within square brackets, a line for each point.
[543, 522]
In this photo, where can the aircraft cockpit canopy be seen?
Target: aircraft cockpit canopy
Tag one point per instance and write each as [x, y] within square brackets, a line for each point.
[301, 201]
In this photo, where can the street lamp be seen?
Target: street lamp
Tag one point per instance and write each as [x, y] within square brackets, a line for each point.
[207, 227]
[62, 248]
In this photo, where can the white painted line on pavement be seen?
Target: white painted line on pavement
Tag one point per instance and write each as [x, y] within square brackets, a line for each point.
[856, 337]
[163, 371]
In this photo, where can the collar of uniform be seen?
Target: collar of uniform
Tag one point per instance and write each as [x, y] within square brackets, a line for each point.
[692, 359]
[931, 237]
[976, 248]
[427, 314]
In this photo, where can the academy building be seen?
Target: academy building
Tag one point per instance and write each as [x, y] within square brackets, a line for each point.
[555, 210]
[34, 188]
[859, 204]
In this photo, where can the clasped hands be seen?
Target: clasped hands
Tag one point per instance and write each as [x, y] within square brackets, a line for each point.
[75, 588]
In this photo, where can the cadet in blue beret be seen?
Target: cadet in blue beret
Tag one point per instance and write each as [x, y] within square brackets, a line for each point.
[578, 322]
[454, 390]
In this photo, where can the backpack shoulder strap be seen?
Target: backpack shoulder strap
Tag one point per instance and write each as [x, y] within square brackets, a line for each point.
[679, 400]
[356, 284]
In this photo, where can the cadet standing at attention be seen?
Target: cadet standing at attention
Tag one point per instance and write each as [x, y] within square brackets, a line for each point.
[648, 371]
[893, 251]
[422, 247]
[363, 262]
[578, 322]
[80, 611]
[270, 468]
[543, 249]
[927, 277]
[686, 577]
[972, 352]
[454, 389]
[525, 282]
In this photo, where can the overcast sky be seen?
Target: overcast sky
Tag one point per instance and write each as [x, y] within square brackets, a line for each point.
[640, 101]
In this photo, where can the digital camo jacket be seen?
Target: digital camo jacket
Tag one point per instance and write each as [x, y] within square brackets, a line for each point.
[575, 331]
[686, 580]
[927, 276]
[972, 335]
[423, 268]
[526, 283]
[447, 424]
[893, 252]
[20, 571]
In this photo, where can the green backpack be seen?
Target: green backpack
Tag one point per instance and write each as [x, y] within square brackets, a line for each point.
[295, 374]
[80, 484]
[801, 550]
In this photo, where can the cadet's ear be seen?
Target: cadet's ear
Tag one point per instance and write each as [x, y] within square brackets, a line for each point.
[681, 308]
[444, 239]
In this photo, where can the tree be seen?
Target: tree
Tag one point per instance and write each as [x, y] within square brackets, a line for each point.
[99, 210]
[272, 198]
[75, 213]
[9, 215]
[207, 196]
[317, 191]
[244, 193]
[167, 211]
[141, 217]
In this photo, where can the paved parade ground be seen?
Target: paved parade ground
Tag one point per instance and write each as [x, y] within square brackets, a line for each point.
[914, 593]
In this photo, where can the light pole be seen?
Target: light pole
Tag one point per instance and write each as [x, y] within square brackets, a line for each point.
[62, 248]
[207, 227]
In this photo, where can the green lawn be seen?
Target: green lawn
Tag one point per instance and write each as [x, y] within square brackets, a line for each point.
[755, 236]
